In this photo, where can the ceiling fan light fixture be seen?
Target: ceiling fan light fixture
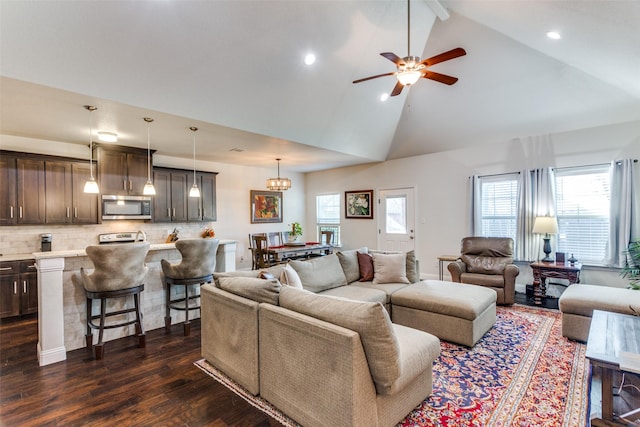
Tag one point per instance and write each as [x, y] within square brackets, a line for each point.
[409, 77]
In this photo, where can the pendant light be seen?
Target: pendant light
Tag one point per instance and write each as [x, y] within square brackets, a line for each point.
[195, 191]
[149, 189]
[277, 184]
[91, 186]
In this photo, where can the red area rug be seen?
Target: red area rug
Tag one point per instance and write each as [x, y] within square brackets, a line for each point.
[521, 373]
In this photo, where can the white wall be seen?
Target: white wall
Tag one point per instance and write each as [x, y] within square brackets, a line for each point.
[233, 185]
[440, 180]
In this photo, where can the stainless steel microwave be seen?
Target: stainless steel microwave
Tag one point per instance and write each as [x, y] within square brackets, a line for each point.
[126, 207]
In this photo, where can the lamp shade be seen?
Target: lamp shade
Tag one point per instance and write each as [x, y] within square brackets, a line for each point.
[545, 225]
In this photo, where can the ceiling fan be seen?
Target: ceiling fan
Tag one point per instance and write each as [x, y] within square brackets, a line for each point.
[410, 68]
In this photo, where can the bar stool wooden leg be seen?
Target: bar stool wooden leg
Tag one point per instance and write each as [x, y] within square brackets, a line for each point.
[89, 335]
[167, 316]
[187, 324]
[142, 342]
[99, 348]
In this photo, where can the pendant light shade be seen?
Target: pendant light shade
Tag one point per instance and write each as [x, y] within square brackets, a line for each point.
[149, 189]
[195, 191]
[91, 186]
[278, 184]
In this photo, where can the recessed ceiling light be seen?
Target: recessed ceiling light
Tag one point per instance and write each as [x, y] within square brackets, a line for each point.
[554, 35]
[108, 136]
[384, 97]
[309, 59]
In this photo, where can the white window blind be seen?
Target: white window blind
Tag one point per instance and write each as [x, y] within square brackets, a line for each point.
[499, 196]
[582, 209]
[328, 215]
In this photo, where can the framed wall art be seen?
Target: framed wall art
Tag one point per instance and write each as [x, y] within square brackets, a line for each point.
[266, 206]
[358, 204]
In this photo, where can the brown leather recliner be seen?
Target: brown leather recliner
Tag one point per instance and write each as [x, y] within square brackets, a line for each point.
[487, 261]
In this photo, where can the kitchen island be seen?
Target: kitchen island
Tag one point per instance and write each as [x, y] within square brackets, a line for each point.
[62, 300]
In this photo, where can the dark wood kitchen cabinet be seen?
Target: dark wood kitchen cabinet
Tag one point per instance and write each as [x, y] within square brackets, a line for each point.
[8, 198]
[30, 191]
[121, 170]
[170, 201]
[18, 288]
[66, 202]
[22, 193]
[204, 207]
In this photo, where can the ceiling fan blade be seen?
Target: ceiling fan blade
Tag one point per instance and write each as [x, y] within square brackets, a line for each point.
[393, 57]
[374, 77]
[445, 56]
[397, 89]
[442, 78]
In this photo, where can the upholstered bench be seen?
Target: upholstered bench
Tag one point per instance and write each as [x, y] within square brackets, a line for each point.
[578, 302]
[455, 312]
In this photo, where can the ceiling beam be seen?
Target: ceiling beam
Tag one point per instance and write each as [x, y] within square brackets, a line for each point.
[438, 8]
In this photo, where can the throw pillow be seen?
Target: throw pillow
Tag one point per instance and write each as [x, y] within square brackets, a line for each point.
[389, 268]
[413, 271]
[349, 262]
[289, 277]
[265, 275]
[413, 274]
[321, 273]
[369, 319]
[365, 264]
[254, 288]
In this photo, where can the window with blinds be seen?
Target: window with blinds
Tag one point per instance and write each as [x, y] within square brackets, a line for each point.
[328, 215]
[582, 209]
[498, 199]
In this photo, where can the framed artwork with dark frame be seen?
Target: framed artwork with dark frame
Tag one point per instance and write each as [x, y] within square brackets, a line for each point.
[266, 206]
[358, 204]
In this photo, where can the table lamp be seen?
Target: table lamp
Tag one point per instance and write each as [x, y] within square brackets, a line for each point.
[546, 225]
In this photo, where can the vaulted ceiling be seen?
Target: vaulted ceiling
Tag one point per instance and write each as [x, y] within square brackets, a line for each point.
[235, 69]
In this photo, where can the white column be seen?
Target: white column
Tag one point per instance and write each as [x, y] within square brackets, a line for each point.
[51, 348]
[226, 256]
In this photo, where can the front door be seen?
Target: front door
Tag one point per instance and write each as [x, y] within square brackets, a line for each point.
[396, 220]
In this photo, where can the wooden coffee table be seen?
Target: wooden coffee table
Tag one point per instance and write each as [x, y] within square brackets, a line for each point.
[609, 335]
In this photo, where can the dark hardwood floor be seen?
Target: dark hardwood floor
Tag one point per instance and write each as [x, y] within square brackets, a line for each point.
[152, 386]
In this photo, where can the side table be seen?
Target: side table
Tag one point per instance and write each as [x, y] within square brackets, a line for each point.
[554, 270]
[441, 260]
[610, 335]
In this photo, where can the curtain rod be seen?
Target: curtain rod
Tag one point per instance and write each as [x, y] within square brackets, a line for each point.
[564, 167]
[497, 174]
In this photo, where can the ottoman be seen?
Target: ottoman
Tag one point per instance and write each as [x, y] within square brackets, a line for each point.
[577, 303]
[455, 312]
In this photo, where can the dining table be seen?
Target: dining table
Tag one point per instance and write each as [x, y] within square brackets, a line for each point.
[289, 251]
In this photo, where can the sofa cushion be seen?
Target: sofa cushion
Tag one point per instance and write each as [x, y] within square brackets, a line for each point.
[289, 277]
[365, 264]
[254, 288]
[357, 293]
[321, 273]
[387, 288]
[369, 320]
[389, 268]
[349, 262]
[583, 299]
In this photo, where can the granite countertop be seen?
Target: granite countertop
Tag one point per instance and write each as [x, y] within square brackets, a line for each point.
[81, 252]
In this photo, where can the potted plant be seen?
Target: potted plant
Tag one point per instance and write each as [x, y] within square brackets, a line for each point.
[296, 232]
[631, 269]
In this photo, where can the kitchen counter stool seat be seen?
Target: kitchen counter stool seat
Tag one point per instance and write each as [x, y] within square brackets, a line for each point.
[195, 268]
[119, 273]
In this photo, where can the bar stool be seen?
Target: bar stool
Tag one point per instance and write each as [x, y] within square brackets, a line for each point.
[196, 267]
[119, 272]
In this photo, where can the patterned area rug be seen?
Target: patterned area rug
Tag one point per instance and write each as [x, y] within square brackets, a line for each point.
[521, 373]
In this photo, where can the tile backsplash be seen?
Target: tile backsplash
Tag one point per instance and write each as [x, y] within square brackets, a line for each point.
[26, 239]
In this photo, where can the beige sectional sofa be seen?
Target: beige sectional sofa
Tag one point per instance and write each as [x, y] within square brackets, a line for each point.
[320, 345]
